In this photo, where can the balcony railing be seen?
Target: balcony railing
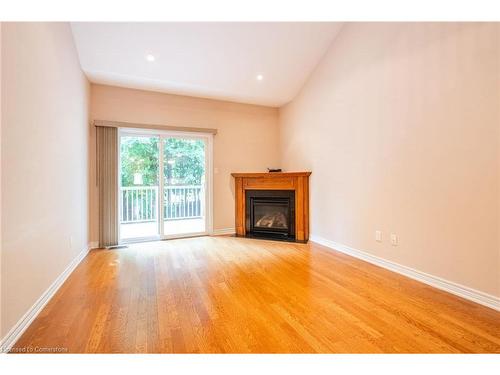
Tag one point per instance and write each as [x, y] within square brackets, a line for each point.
[139, 203]
[183, 202]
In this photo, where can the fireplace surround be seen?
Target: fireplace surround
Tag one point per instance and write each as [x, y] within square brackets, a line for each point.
[272, 205]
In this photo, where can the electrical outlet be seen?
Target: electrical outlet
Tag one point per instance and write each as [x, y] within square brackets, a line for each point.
[378, 236]
[394, 239]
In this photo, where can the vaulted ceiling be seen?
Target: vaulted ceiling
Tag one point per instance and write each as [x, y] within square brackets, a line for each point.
[259, 63]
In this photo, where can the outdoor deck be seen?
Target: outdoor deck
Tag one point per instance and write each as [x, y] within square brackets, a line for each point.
[148, 229]
[183, 211]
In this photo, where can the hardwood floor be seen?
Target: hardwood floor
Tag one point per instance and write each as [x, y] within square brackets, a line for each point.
[234, 295]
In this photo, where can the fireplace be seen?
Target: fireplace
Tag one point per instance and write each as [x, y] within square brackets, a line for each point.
[272, 205]
[270, 214]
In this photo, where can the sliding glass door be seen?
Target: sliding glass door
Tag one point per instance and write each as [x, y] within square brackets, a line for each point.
[164, 190]
[183, 186]
[138, 195]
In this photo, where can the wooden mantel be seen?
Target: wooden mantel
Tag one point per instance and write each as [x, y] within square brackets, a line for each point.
[296, 181]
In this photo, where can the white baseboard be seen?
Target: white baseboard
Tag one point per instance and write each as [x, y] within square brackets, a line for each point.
[94, 245]
[224, 231]
[435, 281]
[15, 333]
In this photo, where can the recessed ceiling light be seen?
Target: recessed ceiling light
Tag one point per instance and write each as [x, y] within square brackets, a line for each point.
[150, 58]
[260, 77]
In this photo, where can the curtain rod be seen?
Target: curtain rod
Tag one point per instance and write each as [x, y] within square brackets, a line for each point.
[118, 124]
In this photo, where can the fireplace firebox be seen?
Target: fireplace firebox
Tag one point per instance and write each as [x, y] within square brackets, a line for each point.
[270, 214]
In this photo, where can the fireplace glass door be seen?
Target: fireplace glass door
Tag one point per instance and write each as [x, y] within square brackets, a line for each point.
[271, 215]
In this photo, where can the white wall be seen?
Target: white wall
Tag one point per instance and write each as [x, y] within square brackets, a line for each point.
[44, 162]
[400, 126]
[247, 138]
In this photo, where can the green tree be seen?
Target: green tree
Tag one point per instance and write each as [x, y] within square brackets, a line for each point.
[184, 160]
[139, 155]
